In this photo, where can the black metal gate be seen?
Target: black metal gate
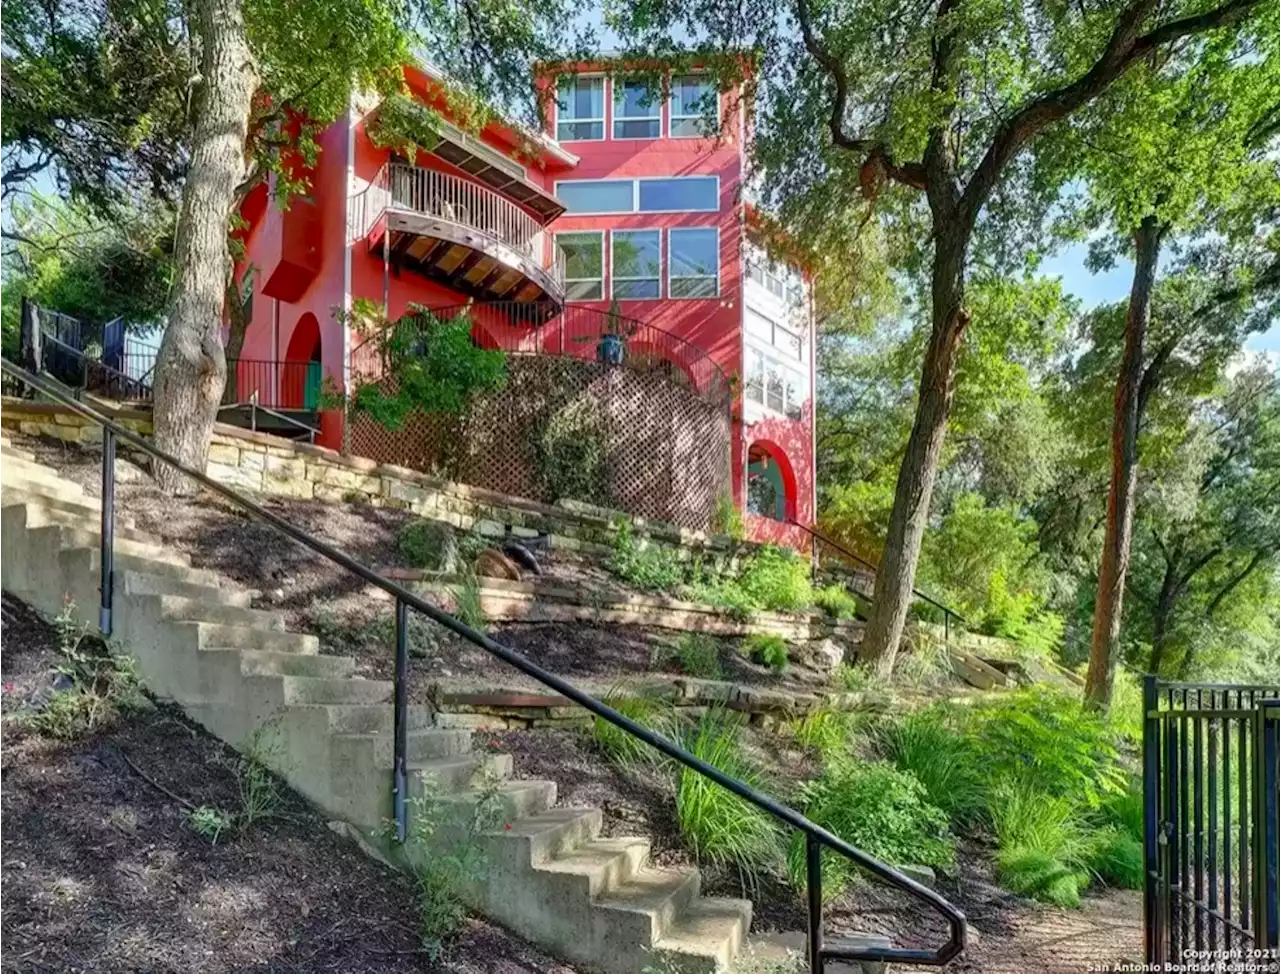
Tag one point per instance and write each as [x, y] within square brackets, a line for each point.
[1211, 777]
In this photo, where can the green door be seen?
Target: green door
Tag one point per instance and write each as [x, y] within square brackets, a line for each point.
[311, 391]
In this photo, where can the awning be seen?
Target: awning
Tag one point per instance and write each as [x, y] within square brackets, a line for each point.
[493, 169]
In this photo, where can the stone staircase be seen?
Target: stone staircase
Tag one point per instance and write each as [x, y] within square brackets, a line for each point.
[551, 877]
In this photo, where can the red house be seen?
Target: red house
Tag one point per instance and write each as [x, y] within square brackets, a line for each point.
[625, 198]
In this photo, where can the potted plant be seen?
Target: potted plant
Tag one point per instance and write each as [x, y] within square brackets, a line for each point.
[611, 349]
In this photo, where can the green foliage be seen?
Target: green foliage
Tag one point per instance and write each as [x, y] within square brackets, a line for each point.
[728, 519]
[428, 544]
[718, 826]
[104, 685]
[432, 366]
[209, 822]
[622, 748]
[853, 678]
[876, 808]
[768, 649]
[944, 761]
[467, 605]
[1031, 872]
[777, 580]
[644, 564]
[837, 601]
[699, 655]
[829, 732]
[1116, 858]
[572, 453]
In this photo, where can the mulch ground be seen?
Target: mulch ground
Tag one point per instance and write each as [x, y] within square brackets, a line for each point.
[102, 872]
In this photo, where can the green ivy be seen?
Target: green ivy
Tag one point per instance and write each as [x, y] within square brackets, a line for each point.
[571, 457]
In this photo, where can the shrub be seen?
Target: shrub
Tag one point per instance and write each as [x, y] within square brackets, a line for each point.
[826, 731]
[853, 678]
[719, 826]
[699, 655]
[1030, 872]
[621, 747]
[944, 761]
[728, 518]
[837, 602]
[1124, 810]
[1046, 739]
[876, 808]
[649, 566]
[467, 605]
[1043, 848]
[571, 453]
[777, 580]
[1116, 858]
[428, 544]
[768, 649]
[723, 594]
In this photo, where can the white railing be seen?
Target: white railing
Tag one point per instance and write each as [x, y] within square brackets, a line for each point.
[459, 201]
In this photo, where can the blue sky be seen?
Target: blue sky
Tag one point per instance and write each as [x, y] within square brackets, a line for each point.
[1113, 285]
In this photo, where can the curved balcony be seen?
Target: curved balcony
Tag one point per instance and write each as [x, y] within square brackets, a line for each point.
[461, 234]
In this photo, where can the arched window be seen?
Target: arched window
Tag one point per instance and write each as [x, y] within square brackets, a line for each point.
[771, 482]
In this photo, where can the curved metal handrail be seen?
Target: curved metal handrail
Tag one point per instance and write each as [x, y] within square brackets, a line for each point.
[574, 331]
[817, 838]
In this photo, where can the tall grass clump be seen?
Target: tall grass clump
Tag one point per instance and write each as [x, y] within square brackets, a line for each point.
[718, 826]
[777, 580]
[944, 761]
[768, 649]
[877, 808]
[1042, 839]
[619, 746]
[699, 655]
[837, 602]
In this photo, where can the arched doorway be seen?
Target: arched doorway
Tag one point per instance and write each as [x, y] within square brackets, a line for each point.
[301, 373]
[771, 482]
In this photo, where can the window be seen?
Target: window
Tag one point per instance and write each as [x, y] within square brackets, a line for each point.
[636, 264]
[698, 193]
[597, 195]
[637, 113]
[580, 109]
[786, 341]
[691, 98]
[779, 280]
[694, 263]
[583, 265]
[774, 385]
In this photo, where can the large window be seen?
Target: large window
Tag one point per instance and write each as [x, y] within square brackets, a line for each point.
[677, 194]
[692, 99]
[780, 281]
[637, 112]
[774, 385]
[700, 193]
[694, 263]
[786, 341]
[637, 264]
[580, 109]
[597, 195]
[583, 265]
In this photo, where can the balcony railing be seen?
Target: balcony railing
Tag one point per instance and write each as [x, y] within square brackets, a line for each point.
[450, 198]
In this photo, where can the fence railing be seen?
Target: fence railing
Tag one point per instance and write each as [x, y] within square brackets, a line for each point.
[453, 199]
[817, 839]
[275, 385]
[576, 331]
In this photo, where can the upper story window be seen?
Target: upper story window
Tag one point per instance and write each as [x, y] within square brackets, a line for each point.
[780, 281]
[678, 194]
[691, 98]
[694, 263]
[637, 264]
[583, 264]
[787, 341]
[774, 385]
[580, 109]
[637, 112]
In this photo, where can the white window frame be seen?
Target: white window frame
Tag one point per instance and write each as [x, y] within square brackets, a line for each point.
[784, 368]
[672, 117]
[613, 278]
[774, 328]
[615, 118]
[671, 266]
[605, 95]
[635, 194]
[603, 262]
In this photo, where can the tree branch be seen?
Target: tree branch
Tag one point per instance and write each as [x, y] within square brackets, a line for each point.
[832, 65]
[1258, 558]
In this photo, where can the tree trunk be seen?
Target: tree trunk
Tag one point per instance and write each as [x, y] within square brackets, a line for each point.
[1124, 470]
[191, 368]
[1163, 613]
[238, 324]
[895, 577]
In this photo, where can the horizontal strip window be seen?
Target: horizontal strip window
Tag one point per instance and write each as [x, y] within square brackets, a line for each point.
[583, 265]
[693, 263]
[786, 341]
[773, 385]
[636, 264]
[782, 282]
[675, 194]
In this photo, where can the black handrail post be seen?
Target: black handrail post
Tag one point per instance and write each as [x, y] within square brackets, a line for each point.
[401, 760]
[1150, 812]
[107, 558]
[1266, 796]
[813, 887]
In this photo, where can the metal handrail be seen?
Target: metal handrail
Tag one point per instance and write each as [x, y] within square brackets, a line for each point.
[519, 328]
[444, 196]
[252, 403]
[816, 837]
[86, 362]
[948, 613]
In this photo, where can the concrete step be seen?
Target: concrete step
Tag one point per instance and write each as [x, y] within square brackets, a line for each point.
[709, 930]
[518, 798]
[44, 511]
[58, 536]
[141, 583]
[454, 774]
[217, 635]
[644, 908]
[376, 719]
[18, 489]
[19, 466]
[599, 865]
[546, 835]
[198, 610]
[86, 508]
[425, 745]
[262, 663]
[7, 450]
[305, 690]
[87, 558]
